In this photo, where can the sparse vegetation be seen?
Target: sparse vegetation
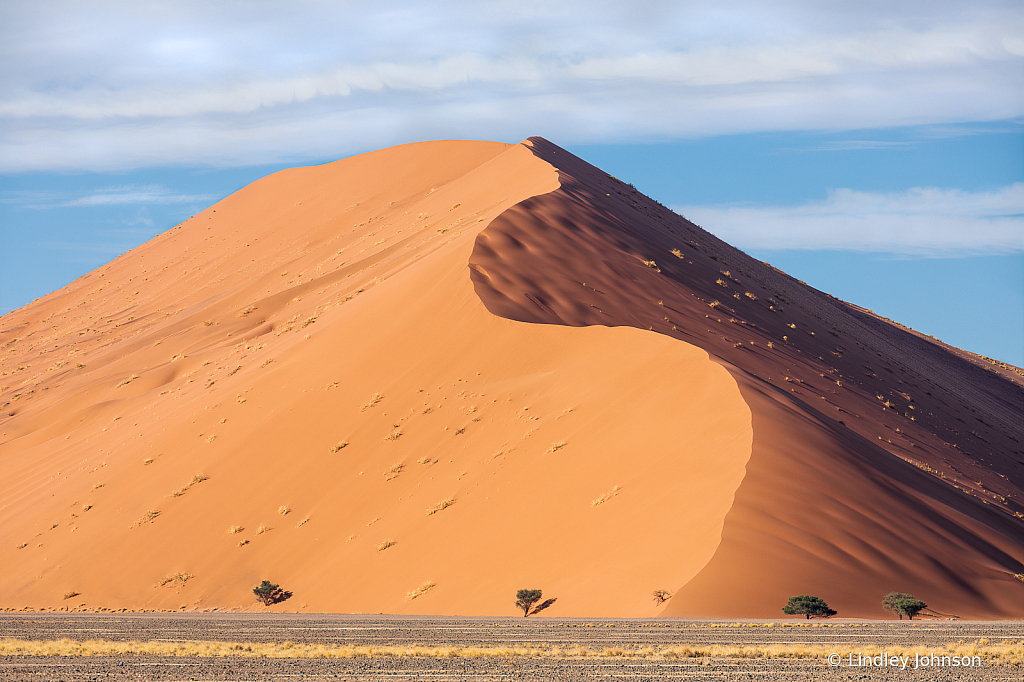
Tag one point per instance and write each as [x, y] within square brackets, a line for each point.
[341, 445]
[283, 510]
[1003, 653]
[395, 434]
[376, 398]
[393, 471]
[427, 586]
[443, 504]
[423, 460]
[69, 595]
[807, 606]
[555, 447]
[384, 544]
[148, 517]
[262, 528]
[177, 580]
[661, 596]
[606, 496]
[235, 530]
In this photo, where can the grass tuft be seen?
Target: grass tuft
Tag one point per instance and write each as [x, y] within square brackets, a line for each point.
[374, 399]
[606, 496]
[427, 586]
[443, 504]
[177, 580]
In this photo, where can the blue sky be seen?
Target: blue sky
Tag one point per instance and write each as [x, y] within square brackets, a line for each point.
[875, 152]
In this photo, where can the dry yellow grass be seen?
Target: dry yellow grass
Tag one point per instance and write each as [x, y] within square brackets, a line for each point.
[606, 496]
[443, 504]
[176, 580]
[374, 399]
[427, 586]
[1009, 653]
[148, 517]
[384, 544]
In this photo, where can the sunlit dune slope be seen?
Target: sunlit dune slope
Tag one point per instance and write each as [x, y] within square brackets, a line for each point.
[303, 374]
[882, 460]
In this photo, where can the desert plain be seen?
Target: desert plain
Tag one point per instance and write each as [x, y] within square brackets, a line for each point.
[336, 647]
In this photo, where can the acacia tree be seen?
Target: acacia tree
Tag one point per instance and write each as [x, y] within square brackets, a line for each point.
[909, 607]
[808, 606]
[525, 599]
[889, 602]
[661, 596]
[268, 593]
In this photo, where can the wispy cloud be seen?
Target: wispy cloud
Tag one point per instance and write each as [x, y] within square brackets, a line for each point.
[116, 85]
[111, 196]
[854, 145]
[922, 221]
[149, 194]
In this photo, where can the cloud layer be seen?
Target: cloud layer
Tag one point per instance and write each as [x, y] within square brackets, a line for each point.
[922, 221]
[117, 85]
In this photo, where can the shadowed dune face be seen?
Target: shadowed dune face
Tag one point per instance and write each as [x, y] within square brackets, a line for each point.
[881, 460]
[301, 385]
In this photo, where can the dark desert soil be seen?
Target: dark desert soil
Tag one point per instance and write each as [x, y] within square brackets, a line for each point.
[596, 634]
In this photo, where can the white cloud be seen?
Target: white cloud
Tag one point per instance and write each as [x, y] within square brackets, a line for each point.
[110, 196]
[922, 221]
[136, 194]
[116, 85]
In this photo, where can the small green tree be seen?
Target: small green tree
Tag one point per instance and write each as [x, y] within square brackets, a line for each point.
[268, 593]
[808, 606]
[525, 599]
[889, 601]
[909, 607]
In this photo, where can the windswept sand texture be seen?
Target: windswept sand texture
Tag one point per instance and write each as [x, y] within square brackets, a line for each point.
[311, 364]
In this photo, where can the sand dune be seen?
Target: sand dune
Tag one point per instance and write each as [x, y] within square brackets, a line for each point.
[311, 364]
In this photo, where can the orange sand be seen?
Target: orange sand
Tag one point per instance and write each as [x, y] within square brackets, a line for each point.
[585, 457]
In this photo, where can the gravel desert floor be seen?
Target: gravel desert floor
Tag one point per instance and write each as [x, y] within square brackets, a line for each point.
[336, 647]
